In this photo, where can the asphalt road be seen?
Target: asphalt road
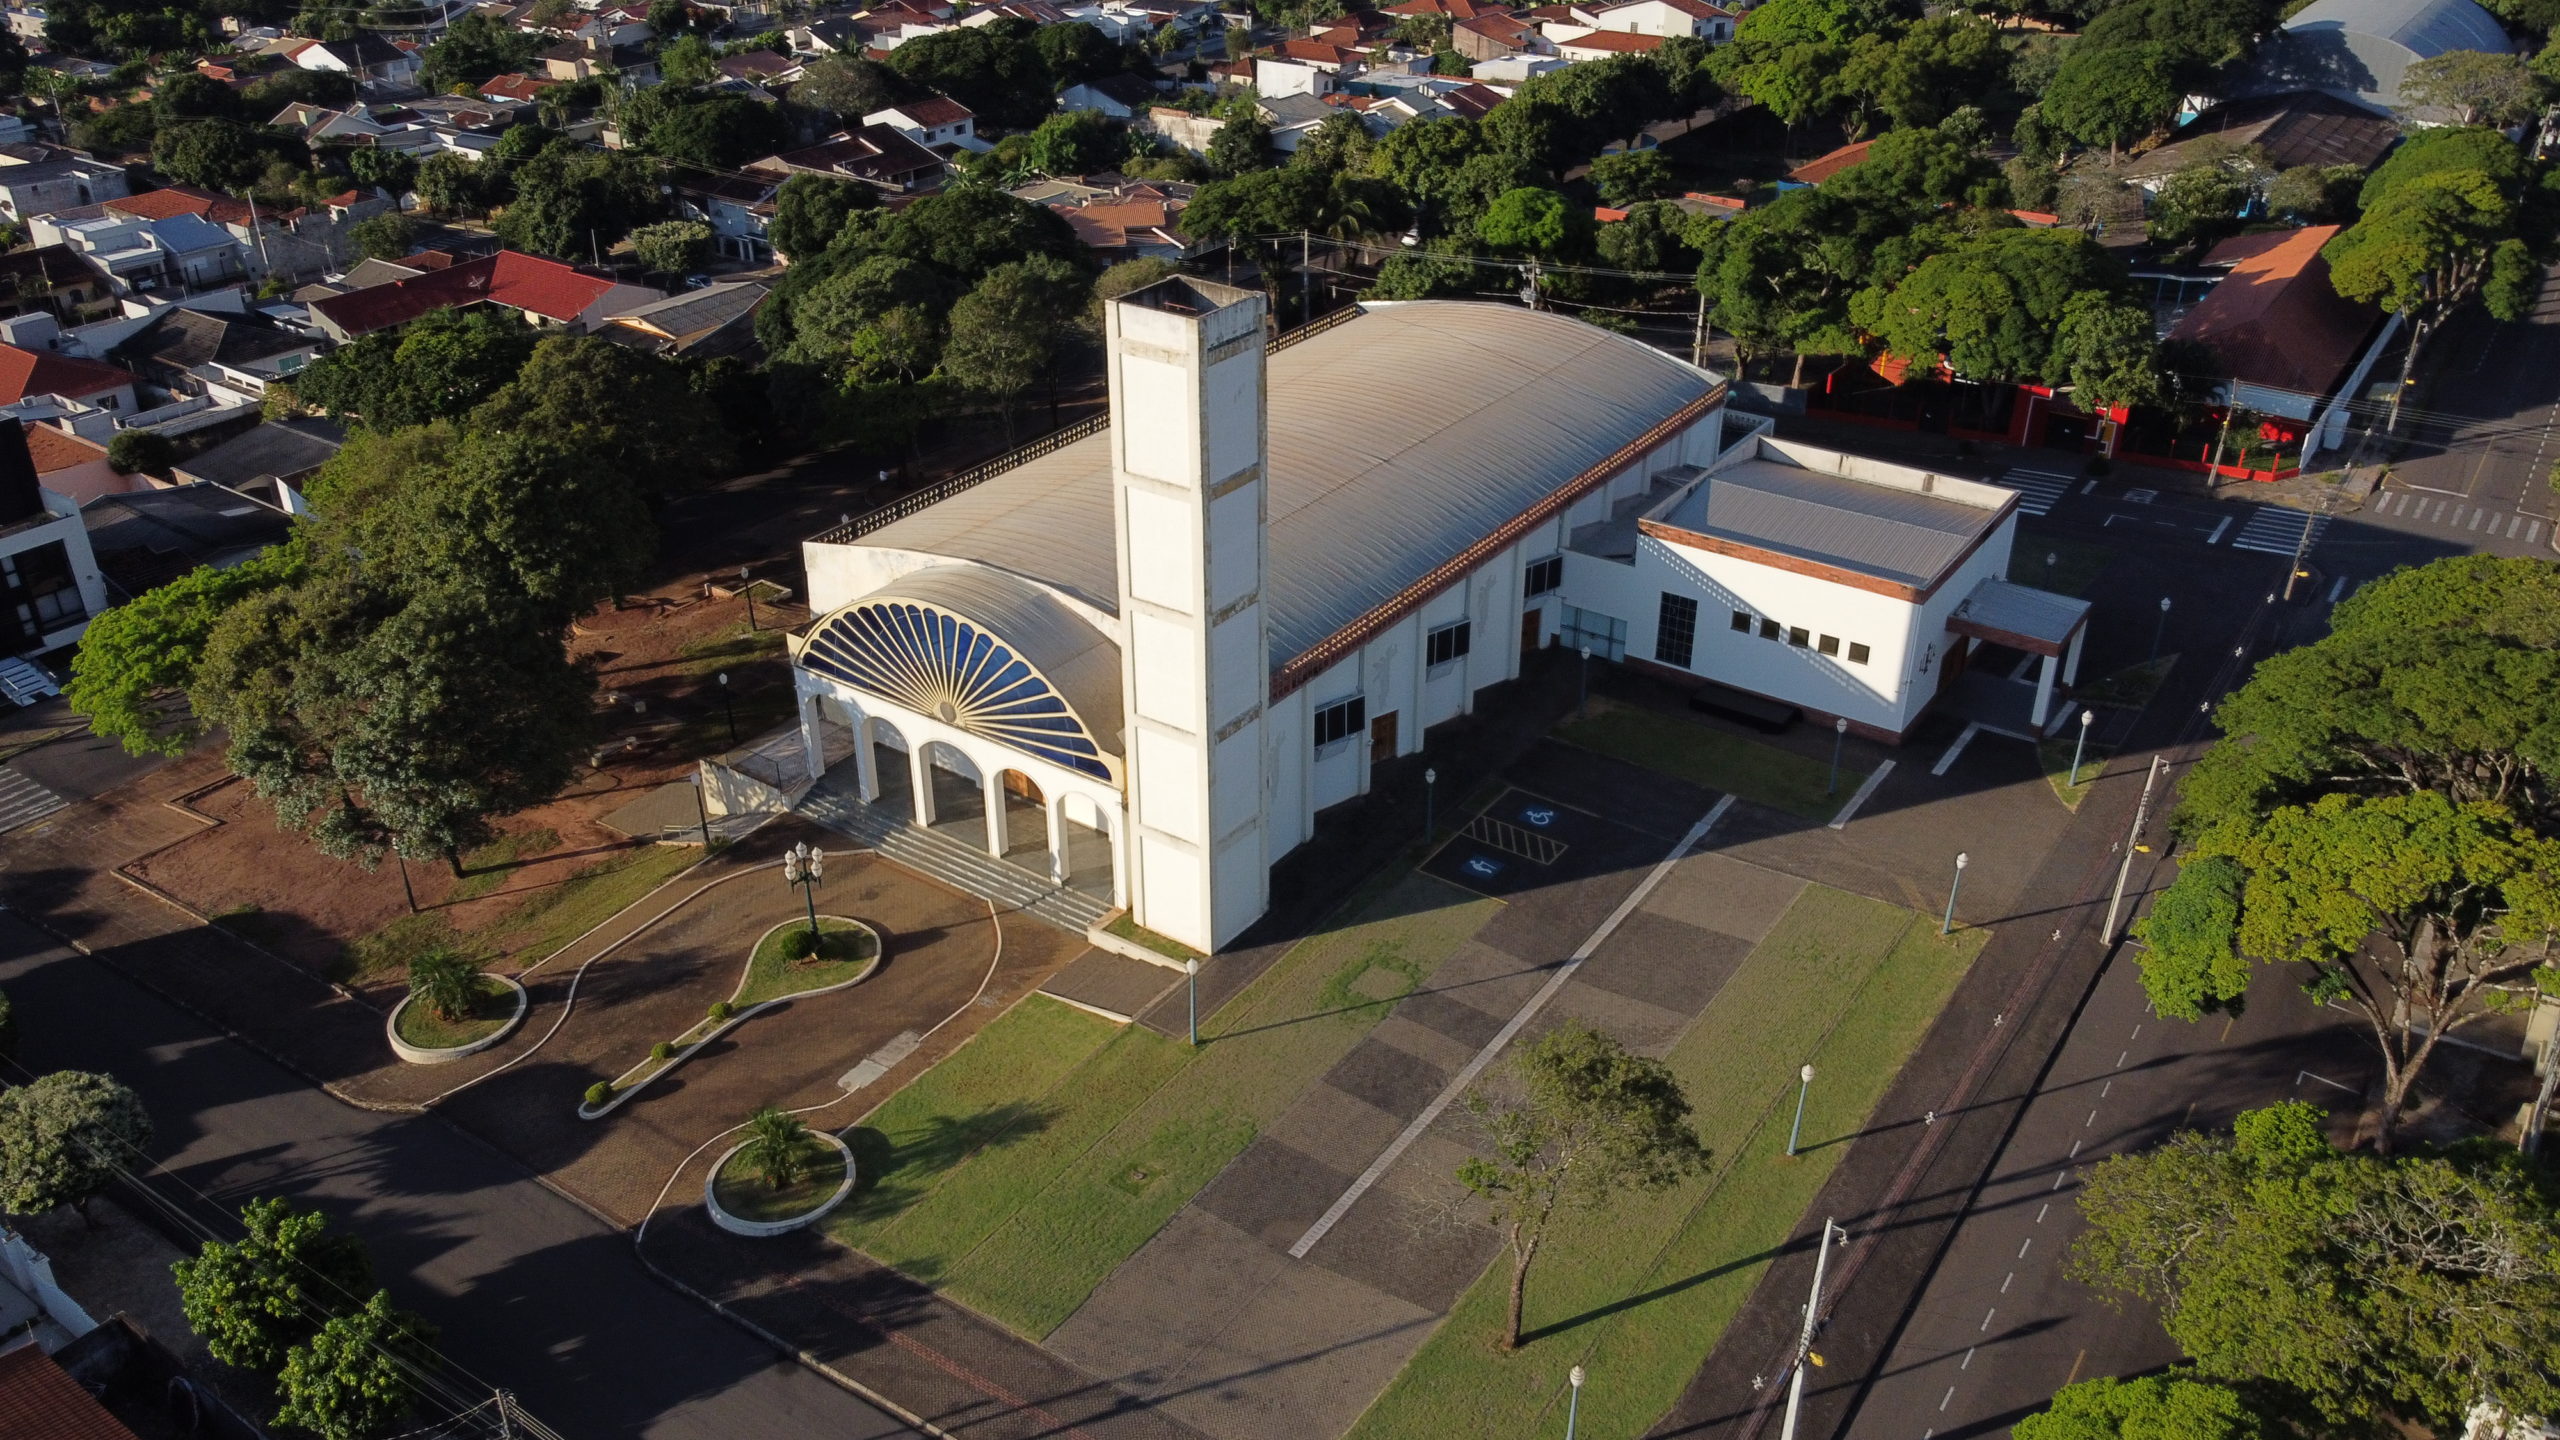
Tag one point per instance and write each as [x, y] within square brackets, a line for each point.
[2482, 437]
[530, 1292]
[1999, 1327]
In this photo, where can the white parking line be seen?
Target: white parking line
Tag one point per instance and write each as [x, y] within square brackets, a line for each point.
[1841, 820]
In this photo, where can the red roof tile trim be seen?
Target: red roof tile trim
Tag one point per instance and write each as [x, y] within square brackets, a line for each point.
[38, 1399]
[522, 282]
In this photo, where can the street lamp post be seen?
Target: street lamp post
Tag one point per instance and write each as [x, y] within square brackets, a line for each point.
[2160, 627]
[2049, 558]
[1573, 1406]
[802, 865]
[1191, 973]
[728, 707]
[2081, 746]
[1430, 787]
[1839, 736]
[1582, 702]
[1948, 925]
[1804, 1086]
[747, 588]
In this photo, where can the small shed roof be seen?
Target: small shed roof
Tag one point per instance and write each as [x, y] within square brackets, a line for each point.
[1906, 537]
[2020, 616]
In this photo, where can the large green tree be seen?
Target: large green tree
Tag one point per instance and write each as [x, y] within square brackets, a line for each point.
[435, 367]
[1993, 306]
[809, 211]
[1578, 1123]
[253, 1299]
[2361, 1287]
[2147, 1407]
[130, 675]
[357, 1377]
[66, 1136]
[2112, 95]
[994, 69]
[475, 47]
[1007, 331]
[2380, 813]
[573, 202]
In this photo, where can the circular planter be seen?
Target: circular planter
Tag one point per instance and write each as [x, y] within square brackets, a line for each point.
[418, 1056]
[843, 925]
[760, 1229]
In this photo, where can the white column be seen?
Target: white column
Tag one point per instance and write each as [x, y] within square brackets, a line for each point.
[812, 748]
[991, 783]
[1056, 811]
[2071, 655]
[1118, 836]
[866, 760]
[2044, 693]
[920, 776]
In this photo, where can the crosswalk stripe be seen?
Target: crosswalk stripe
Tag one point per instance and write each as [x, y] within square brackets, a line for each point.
[2277, 531]
[2534, 534]
[2038, 490]
[23, 801]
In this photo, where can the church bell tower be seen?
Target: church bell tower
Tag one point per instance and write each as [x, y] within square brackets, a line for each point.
[1188, 446]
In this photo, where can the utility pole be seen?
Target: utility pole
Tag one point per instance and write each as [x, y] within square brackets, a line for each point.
[1698, 335]
[2124, 871]
[2213, 472]
[1804, 1337]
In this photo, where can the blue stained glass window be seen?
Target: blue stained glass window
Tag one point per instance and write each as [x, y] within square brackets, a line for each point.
[946, 667]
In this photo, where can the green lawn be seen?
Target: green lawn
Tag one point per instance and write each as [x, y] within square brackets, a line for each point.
[532, 930]
[1641, 1295]
[846, 949]
[487, 868]
[1715, 759]
[1022, 1170]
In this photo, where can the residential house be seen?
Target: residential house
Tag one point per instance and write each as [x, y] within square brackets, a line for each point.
[2305, 127]
[545, 292]
[1603, 45]
[148, 537]
[838, 35]
[737, 207]
[1121, 97]
[30, 366]
[49, 579]
[516, 87]
[1038, 12]
[1456, 10]
[760, 67]
[1292, 117]
[875, 155]
[2290, 345]
[370, 58]
[1515, 69]
[27, 22]
[1275, 76]
[1668, 19]
[269, 464]
[938, 124]
[73, 467]
[703, 324]
[48, 277]
[1474, 100]
[45, 186]
[1822, 167]
[190, 353]
[1130, 221]
[179, 253]
[1497, 36]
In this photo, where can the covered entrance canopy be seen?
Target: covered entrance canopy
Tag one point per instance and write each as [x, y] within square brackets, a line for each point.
[2038, 622]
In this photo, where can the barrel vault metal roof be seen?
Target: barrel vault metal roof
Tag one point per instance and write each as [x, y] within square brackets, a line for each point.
[1398, 439]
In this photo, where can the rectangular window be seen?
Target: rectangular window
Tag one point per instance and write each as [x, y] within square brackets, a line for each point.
[1447, 643]
[1768, 628]
[1742, 621]
[1605, 635]
[1545, 576]
[49, 595]
[1341, 720]
[1857, 653]
[1830, 645]
[1676, 632]
[1798, 636]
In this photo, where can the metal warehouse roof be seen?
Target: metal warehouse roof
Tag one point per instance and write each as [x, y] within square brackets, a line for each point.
[2424, 27]
[1881, 530]
[1398, 439]
[2012, 613]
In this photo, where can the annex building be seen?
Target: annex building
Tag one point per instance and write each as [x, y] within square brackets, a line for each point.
[1142, 662]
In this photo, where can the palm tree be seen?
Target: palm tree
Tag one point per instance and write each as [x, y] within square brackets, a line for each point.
[447, 982]
[777, 1147]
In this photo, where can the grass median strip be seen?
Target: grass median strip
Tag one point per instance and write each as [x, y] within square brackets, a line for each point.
[1642, 1296]
[1023, 1225]
[1712, 758]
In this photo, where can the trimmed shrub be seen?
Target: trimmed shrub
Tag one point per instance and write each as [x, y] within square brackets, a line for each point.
[662, 1051]
[722, 1010]
[599, 1092]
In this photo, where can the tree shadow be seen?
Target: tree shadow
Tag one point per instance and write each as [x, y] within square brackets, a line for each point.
[892, 1174]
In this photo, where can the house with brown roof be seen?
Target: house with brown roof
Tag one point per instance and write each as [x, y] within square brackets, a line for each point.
[876, 155]
[68, 465]
[517, 87]
[1822, 167]
[1498, 36]
[936, 122]
[544, 292]
[2284, 338]
[25, 372]
[1603, 44]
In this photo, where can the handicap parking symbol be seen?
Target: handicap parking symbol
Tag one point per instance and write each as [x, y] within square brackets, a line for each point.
[1484, 866]
[1540, 815]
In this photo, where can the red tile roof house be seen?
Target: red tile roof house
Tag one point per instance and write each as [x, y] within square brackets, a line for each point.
[2275, 325]
[545, 292]
[41, 372]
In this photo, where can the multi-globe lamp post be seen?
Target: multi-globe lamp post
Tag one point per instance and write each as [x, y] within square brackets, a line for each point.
[803, 865]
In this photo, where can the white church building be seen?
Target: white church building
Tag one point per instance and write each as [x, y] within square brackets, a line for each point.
[1142, 662]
